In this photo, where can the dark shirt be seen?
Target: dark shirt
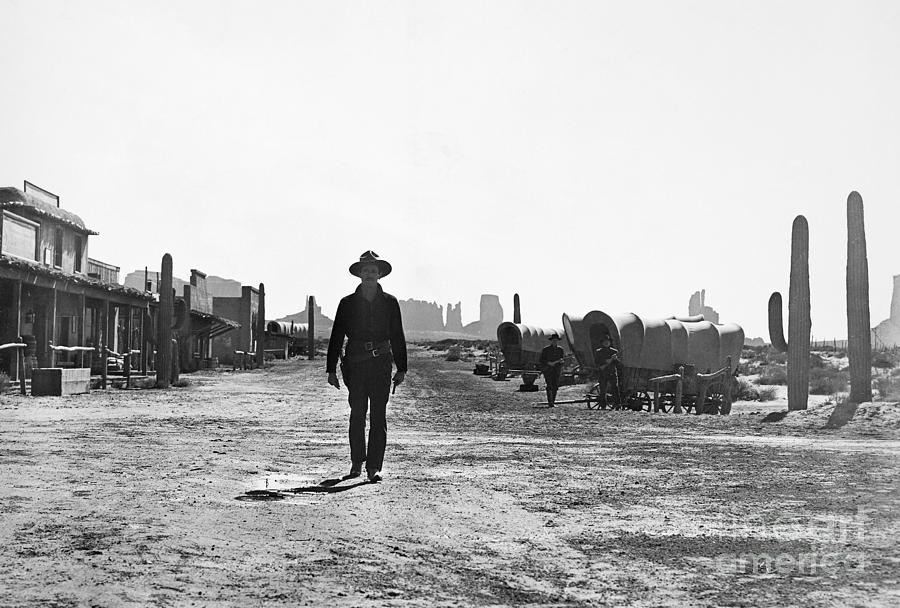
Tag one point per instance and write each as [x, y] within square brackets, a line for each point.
[363, 321]
[548, 355]
[603, 355]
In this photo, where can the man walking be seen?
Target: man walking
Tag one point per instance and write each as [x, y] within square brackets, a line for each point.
[551, 364]
[370, 319]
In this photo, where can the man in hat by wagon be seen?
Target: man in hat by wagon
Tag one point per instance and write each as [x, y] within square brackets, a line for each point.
[607, 359]
[551, 361]
[370, 320]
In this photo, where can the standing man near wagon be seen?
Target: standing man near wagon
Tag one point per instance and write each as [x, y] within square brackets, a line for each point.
[607, 359]
[551, 364]
[370, 319]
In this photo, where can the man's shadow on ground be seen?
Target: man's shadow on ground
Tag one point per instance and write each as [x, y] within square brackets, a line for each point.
[327, 486]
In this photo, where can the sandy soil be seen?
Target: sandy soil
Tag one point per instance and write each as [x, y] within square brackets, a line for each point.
[213, 495]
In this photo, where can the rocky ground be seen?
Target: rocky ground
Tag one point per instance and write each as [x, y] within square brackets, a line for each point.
[223, 493]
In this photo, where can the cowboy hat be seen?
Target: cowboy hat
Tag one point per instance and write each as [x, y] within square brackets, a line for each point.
[370, 257]
[553, 336]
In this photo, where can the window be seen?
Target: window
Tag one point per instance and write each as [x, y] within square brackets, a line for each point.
[58, 248]
[78, 254]
[19, 236]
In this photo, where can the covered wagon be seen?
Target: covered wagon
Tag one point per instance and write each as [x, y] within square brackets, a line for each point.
[521, 346]
[285, 338]
[684, 361]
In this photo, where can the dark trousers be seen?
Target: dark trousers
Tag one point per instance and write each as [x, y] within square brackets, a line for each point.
[552, 380]
[369, 385]
[609, 378]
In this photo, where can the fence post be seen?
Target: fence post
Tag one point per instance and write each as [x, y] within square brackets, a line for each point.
[20, 363]
[679, 389]
[104, 362]
[729, 384]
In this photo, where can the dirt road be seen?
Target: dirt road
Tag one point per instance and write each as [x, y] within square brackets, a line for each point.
[134, 498]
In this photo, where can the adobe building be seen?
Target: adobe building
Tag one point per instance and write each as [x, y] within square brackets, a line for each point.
[201, 326]
[244, 311]
[210, 328]
[52, 293]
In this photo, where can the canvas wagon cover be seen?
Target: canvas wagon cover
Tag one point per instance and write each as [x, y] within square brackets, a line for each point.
[286, 328]
[657, 344]
[523, 343]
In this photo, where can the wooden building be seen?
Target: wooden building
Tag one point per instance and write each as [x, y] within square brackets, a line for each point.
[201, 325]
[52, 293]
[243, 310]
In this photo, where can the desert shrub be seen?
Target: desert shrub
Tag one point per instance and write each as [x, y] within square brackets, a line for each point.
[4, 382]
[888, 388]
[148, 382]
[748, 367]
[816, 361]
[827, 381]
[773, 374]
[182, 382]
[745, 391]
[884, 361]
[775, 357]
[766, 394]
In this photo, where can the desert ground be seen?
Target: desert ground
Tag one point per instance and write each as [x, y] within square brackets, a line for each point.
[228, 492]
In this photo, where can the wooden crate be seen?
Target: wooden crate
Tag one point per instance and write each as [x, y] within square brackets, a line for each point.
[58, 381]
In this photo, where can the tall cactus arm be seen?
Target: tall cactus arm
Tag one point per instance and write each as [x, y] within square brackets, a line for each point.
[776, 324]
[858, 325]
[799, 322]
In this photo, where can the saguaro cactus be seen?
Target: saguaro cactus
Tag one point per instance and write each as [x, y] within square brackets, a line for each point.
[164, 325]
[517, 311]
[799, 323]
[859, 336]
[311, 327]
[261, 327]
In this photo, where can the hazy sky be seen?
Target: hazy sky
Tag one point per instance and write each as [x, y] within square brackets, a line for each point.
[587, 155]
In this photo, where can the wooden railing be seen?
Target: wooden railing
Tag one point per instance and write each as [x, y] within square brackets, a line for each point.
[658, 381]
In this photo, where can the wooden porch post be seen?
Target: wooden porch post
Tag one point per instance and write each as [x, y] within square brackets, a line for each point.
[82, 331]
[53, 338]
[104, 338]
[145, 312]
[129, 322]
[17, 306]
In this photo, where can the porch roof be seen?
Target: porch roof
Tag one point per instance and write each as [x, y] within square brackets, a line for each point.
[214, 324]
[44, 276]
[13, 198]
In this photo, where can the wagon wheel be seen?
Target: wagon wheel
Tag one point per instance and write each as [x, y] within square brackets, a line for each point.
[593, 397]
[688, 403]
[638, 400]
[713, 404]
[666, 402]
